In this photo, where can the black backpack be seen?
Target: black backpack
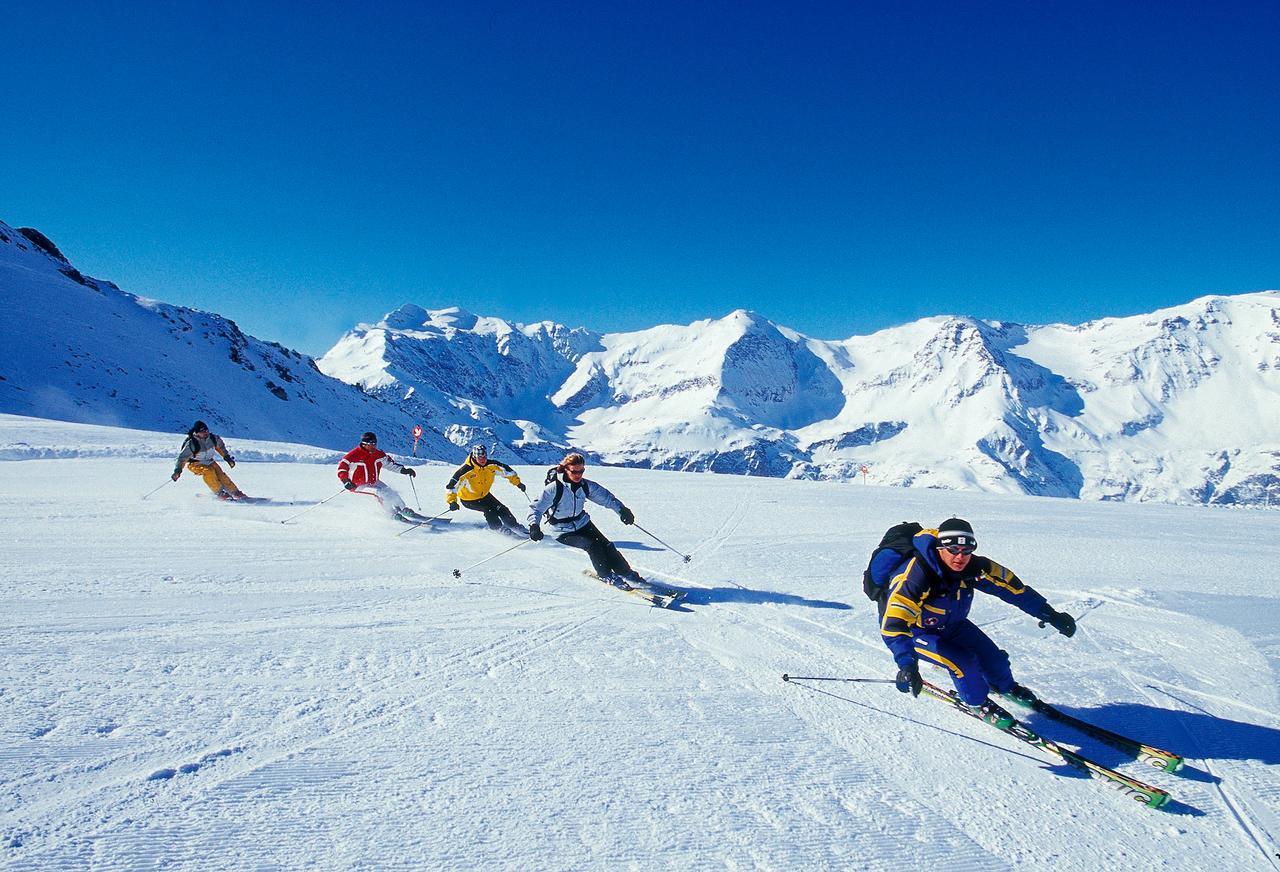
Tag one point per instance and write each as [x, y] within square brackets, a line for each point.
[895, 546]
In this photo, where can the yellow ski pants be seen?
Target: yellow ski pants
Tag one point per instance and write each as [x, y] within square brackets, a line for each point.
[214, 477]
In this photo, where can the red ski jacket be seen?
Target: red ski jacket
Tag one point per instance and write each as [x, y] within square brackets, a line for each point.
[361, 465]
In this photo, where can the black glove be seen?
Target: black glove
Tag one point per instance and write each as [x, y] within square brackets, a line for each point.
[535, 532]
[522, 487]
[175, 476]
[627, 516]
[349, 484]
[453, 507]
[908, 679]
[1060, 621]
[231, 462]
[405, 470]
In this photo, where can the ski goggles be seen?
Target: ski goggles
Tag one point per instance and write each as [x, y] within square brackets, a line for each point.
[959, 549]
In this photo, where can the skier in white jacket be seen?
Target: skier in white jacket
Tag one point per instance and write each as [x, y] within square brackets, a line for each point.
[563, 507]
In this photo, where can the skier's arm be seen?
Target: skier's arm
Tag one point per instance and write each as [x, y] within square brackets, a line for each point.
[390, 462]
[601, 495]
[509, 474]
[221, 447]
[187, 452]
[902, 612]
[451, 489]
[1001, 581]
[542, 504]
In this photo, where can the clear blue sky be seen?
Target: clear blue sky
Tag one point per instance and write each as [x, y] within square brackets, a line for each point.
[838, 168]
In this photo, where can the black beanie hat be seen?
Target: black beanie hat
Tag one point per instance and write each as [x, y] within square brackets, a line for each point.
[199, 425]
[956, 531]
[369, 436]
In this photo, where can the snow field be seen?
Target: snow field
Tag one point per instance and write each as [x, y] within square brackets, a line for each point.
[188, 684]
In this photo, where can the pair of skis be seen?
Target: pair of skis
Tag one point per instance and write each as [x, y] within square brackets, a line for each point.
[1139, 791]
[654, 594]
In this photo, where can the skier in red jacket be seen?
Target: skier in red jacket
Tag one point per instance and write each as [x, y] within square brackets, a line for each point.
[359, 469]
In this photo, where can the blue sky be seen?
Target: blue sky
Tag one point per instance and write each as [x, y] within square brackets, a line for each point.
[838, 168]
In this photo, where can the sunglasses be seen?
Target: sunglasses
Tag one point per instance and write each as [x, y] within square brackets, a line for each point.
[369, 442]
[576, 470]
[959, 549]
[203, 430]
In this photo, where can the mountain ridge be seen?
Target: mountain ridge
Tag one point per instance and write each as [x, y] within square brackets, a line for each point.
[1178, 405]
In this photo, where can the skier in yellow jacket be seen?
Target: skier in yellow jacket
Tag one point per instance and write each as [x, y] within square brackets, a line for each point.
[470, 486]
[200, 452]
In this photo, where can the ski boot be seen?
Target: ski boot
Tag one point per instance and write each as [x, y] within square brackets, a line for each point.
[991, 713]
[1023, 696]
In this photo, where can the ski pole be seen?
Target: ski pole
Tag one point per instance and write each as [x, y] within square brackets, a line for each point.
[687, 557]
[415, 493]
[457, 573]
[170, 481]
[423, 523]
[786, 677]
[309, 508]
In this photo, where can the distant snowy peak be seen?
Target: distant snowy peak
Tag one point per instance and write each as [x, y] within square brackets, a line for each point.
[91, 353]
[1100, 410]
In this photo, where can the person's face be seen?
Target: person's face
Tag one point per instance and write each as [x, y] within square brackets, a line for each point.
[481, 458]
[575, 472]
[370, 443]
[203, 431]
[955, 557]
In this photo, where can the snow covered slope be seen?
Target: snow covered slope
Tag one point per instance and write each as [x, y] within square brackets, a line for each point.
[80, 349]
[192, 685]
[1179, 406]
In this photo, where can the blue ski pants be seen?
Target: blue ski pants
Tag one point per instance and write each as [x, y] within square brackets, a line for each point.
[976, 664]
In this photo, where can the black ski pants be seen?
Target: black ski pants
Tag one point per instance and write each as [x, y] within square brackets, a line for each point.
[495, 513]
[604, 555]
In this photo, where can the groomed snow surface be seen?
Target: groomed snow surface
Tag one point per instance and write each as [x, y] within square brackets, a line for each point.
[189, 684]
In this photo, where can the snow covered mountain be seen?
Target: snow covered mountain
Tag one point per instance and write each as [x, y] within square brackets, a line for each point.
[1182, 405]
[79, 349]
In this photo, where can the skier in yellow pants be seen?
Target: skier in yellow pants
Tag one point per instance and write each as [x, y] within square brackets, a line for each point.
[200, 454]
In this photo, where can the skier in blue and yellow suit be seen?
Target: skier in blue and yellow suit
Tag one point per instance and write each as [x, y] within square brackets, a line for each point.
[926, 616]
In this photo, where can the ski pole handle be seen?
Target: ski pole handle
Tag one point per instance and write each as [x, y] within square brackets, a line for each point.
[457, 573]
[309, 508]
[687, 557]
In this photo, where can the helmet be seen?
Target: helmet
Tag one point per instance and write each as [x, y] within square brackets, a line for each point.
[478, 451]
[369, 436]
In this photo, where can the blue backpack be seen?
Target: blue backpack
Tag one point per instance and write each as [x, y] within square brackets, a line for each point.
[895, 546]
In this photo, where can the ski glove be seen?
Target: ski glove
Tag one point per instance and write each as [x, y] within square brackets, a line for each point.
[349, 484]
[1060, 621]
[453, 507]
[231, 462]
[522, 487]
[175, 476]
[535, 532]
[405, 470]
[908, 679]
[627, 516]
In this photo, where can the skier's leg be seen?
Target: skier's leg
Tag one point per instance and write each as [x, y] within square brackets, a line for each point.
[509, 520]
[609, 554]
[483, 505]
[993, 661]
[208, 473]
[225, 481]
[966, 674]
[585, 541]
